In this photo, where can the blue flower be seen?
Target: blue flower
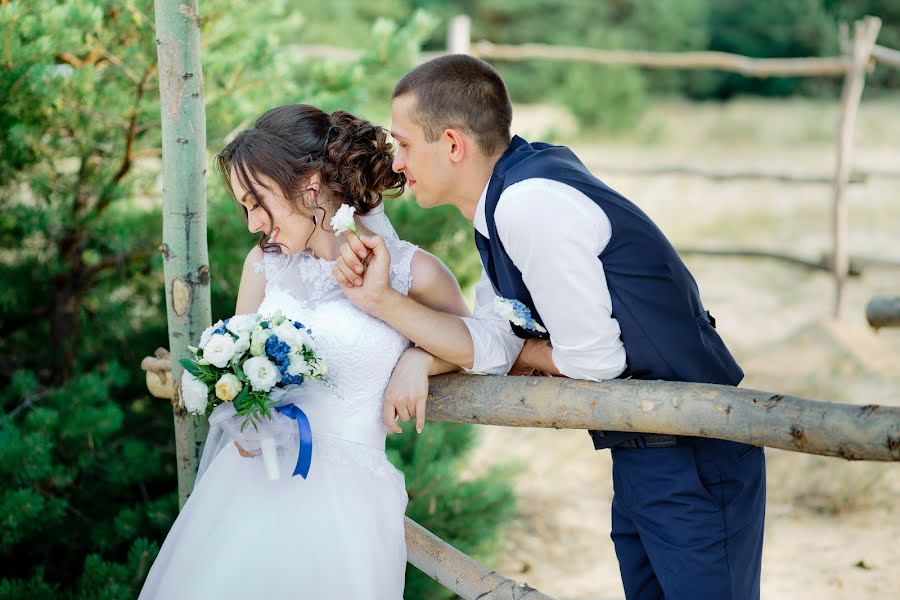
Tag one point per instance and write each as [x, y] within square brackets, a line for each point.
[517, 313]
[291, 379]
[278, 351]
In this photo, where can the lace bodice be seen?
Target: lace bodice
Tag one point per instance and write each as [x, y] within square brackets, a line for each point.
[359, 351]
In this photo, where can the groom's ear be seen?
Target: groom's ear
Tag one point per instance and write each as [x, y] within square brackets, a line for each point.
[458, 145]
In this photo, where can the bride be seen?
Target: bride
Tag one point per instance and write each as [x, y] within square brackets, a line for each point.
[339, 532]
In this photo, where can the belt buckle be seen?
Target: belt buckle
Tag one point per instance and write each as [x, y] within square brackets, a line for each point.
[658, 440]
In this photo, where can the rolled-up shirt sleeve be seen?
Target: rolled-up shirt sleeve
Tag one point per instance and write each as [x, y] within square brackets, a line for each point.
[554, 234]
[496, 347]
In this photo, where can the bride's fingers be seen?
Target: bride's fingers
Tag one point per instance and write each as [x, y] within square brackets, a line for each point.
[402, 411]
[244, 453]
[420, 414]
[351, 260]
[342, 280]
[347, 271]
[389, 414]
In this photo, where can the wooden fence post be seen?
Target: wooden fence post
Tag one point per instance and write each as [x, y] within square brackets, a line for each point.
[883, 311]
[459, 35]
[864, 34]
[185, 261]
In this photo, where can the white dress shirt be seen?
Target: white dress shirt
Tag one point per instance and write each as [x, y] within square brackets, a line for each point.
[553, 233]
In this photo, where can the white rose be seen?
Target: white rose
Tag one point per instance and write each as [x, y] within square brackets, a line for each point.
[297, 366]
[317, 368]
[207, 333]
[228, 387]
[504, 309]
[219, 350]
[241, 345]
[258, 341]
[342, 220]
[193, 394]
[241, 325]
[262, 373]
[289, 334]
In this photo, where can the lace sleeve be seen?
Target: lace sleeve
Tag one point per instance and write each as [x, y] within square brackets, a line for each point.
[401, 258]
[271, 264]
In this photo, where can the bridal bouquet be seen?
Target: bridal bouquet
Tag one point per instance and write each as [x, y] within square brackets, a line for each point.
[238, 365]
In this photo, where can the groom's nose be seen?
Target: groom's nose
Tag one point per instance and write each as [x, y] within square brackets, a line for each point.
[399, 164]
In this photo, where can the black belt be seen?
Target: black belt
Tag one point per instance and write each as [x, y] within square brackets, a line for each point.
[651, 440]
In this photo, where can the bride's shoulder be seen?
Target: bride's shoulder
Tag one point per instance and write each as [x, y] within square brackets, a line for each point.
[266, 264]
[433, 284]
[254, 256]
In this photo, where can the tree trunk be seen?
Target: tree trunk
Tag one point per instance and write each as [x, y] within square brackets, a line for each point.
[184, 249]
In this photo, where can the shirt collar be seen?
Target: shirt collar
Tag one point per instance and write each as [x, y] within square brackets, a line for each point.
[480, 219]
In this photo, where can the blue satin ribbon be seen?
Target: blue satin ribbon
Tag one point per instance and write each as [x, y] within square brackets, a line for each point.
[304, 457]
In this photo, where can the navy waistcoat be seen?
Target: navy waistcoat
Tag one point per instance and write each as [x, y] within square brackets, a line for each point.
[666, 332]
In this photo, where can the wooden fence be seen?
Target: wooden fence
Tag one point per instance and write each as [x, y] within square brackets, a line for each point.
[852, 432]
[859, 53]
[866, 432]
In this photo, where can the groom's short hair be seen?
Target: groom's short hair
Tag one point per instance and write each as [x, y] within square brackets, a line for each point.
[460, 92]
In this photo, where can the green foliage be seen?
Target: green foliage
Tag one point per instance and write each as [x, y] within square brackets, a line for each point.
[88, 457]
[75, 474]
[885, 77]
[443, 231]
[790, 28]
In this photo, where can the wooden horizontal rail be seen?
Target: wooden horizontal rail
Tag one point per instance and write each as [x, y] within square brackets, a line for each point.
[723, 61]
[828, 66]
[854, 432]
[888, 56]
[823, 264]
[793, 178]
[459, 572]
[883, 311]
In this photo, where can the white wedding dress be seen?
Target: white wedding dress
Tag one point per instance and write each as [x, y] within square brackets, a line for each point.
[339, 533]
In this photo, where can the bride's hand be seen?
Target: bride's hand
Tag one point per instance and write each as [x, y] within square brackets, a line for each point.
[375, 280]
[407, 391]
[243, 452]
[353, 260]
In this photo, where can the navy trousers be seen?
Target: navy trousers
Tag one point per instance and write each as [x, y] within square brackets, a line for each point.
[687, 520]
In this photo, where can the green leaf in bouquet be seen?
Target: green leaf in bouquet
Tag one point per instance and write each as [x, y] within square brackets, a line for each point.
[241, 399]
[239, 373]
[192, 367]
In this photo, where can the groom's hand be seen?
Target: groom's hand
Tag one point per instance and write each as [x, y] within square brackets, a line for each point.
[536, 358]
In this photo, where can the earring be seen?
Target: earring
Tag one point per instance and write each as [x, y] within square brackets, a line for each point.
[314, 219]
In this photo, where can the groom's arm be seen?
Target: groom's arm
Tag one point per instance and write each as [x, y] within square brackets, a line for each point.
[481, 343]
[554, 234]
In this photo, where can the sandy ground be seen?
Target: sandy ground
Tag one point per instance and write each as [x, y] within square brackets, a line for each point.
[832, 526]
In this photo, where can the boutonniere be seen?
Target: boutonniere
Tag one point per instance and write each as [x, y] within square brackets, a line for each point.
[517, 313]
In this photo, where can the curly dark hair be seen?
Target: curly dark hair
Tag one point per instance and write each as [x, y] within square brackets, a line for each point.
[290, 144]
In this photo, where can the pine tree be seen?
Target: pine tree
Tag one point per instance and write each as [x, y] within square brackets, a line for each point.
[88, 458]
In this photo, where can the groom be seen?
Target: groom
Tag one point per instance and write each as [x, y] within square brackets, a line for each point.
[598, 293]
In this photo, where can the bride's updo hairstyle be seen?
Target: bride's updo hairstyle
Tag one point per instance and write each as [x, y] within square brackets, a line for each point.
[290, 144]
